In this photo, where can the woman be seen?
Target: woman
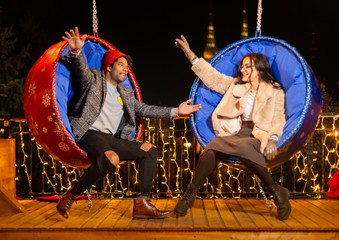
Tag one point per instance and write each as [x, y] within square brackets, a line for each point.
[248, 122]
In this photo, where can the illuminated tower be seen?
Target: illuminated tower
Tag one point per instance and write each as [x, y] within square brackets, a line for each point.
[244, 25]
[211, 47]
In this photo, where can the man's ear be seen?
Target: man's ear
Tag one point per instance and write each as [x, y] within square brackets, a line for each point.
[109, 69]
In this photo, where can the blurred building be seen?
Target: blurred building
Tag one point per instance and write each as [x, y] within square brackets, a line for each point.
[211, 46]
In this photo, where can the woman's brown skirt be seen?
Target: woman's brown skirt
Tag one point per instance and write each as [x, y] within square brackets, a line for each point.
[242, 145]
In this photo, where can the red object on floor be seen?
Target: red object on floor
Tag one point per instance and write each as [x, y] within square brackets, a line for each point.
[333, 184]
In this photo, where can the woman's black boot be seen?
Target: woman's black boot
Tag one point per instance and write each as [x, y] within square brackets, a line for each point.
[280, 197]
[187, 201]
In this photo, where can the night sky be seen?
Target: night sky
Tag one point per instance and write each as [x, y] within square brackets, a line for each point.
[146, 31]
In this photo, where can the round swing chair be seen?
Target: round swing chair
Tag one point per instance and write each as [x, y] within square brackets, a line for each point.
[303, 99]
[47, 91]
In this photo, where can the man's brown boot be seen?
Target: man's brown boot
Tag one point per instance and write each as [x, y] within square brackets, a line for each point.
[65, 203]
[143, 208]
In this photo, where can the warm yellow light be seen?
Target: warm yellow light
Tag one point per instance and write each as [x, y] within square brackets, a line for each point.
[188, 144]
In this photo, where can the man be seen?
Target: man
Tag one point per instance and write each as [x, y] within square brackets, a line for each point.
[102, 116]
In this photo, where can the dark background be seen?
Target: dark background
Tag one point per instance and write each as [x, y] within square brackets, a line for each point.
[146, 31]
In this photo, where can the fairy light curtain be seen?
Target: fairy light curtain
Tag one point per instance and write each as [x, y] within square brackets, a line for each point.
[176, 161]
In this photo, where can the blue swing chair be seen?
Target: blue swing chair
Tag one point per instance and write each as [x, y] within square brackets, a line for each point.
[303, 101]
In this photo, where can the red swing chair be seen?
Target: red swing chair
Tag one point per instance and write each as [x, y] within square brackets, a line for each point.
[48, 89]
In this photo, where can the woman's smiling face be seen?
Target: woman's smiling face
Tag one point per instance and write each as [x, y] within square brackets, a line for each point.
[248, 70]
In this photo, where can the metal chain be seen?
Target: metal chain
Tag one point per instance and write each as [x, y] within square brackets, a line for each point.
[89, 200]
[95, 19]
[259, 15]
[270, 205]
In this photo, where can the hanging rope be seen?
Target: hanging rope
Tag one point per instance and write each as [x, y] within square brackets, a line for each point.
[259, 15]
[95, 19]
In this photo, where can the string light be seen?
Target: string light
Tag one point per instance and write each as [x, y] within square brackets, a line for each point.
[25, 156]
[117, 172]
[59, 177]
[174, 156]
[326, 154]
[187, 145]
[136, 172]
[44, 169]
[164, 151]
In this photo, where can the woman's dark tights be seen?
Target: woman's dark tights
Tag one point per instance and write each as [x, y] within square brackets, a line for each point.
[208, 161]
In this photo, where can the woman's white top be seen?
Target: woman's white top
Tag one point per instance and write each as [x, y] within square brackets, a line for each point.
[248, 110]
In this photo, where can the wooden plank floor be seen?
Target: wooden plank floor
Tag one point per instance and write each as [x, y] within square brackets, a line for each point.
[235, 219]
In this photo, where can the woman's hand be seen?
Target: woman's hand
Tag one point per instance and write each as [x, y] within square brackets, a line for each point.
[271, 149]
[186, 109]
[74, 40]
[185, 47]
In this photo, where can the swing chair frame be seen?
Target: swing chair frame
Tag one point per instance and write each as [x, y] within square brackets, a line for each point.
[307, 120]
[41, 107]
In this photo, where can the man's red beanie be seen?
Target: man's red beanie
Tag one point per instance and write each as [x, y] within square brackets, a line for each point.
[109, 57]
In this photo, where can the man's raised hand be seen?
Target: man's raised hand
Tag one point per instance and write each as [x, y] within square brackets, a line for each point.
[74, 40]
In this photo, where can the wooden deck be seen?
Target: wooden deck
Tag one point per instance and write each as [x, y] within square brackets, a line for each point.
[209, 218]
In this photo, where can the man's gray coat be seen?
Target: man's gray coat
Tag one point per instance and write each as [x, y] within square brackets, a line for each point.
[89, 86]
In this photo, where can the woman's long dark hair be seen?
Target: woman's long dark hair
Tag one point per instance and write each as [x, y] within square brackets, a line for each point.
[262, 65]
